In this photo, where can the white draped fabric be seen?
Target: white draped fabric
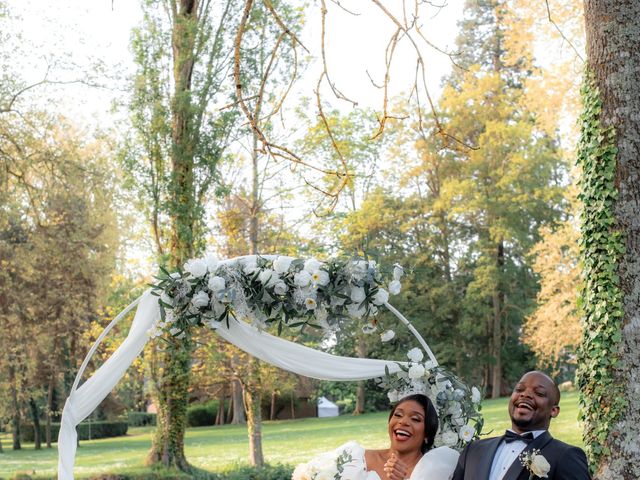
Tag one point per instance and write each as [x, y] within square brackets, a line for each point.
[277, 351]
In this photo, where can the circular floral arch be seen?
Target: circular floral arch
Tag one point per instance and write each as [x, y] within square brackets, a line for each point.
[241, 298]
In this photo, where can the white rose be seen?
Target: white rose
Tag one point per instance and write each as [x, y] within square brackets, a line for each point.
[393, 395]
[416, 371]
[387, 336]
[320, 277]
[196, 267]
[265, 276]
[466, 433]
[357, 294]
[415, 355]
[475, 395]
[312, 265]
[302, 278]
[395, 287]
[200, 299]
[282, 264]
[381, 297]
[280, 288]
[301, 472]
[398, 271]
[310, 303]
[250, 265]
[539, 466]
[216, 284]
[354, 310]
[211, 261]
[449, 438]
[359, 269]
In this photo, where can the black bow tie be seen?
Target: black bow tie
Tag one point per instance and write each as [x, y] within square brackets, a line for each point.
[510, 436]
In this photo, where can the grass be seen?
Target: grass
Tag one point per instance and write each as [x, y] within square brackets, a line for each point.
[226, 447]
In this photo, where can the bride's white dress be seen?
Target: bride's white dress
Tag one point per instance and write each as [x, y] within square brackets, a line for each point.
[437, 464]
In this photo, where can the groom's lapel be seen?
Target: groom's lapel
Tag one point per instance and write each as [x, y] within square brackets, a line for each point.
[486, 454]
[516, 467]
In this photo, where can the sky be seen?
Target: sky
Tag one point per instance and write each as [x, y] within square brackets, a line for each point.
[82, 33]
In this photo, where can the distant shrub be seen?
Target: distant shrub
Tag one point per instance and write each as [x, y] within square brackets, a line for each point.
[86, 430]
[141, 419]
[202, 414]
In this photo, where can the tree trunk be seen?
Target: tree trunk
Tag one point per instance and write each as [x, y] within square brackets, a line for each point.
[238, 417]
[293, 406]
[496, 330]
[272, 410]
[47, 431]
[15, 430]
[361, 351]
[173, 389]
[613, 52]
[252, 401]
[220, 420]
[36, 424]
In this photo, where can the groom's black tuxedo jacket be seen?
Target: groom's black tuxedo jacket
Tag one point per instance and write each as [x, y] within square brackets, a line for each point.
[567, 462]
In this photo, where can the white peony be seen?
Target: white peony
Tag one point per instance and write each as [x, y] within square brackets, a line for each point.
[280, 288]
[216, 284]
[416, 371]
[393, 395]
[200, 299]
[381, 297]
[282, 264]
[320, 277]
[301, 472]
[539, 465]
[475, 395]
[357, 294]
[211, 261]
[387, 336]
[398, 271]
[302, 278]
[395, 287]
[415, 355]
[312, 265]
[449, 438]
[196, 267]
[466, 433]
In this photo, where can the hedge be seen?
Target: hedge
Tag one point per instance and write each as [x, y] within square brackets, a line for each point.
[203, 414]
[86, 430]
[141, 419]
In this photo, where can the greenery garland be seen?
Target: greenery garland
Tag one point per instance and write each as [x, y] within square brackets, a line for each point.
[602, 246]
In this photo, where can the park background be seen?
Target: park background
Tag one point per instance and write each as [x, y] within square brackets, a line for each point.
[132, 139]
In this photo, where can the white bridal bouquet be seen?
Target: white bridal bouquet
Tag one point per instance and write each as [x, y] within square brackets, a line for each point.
[344, 463]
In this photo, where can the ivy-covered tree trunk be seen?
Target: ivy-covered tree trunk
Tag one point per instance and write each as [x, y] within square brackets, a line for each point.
[173, 384]
[609, 154]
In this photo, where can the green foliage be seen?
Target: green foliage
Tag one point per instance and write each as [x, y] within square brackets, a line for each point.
[203, 414]
[602, 246]
[141, 419]
[86, 430]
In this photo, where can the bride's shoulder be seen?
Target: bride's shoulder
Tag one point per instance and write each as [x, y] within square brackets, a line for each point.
[437, 464]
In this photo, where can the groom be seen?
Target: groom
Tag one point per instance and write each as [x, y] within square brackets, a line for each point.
[533, 403]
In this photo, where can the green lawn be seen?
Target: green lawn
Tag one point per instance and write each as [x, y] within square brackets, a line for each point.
[220, 448]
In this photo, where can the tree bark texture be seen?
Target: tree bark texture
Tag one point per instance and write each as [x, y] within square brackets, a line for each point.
[16, 409]
[613, 52]
[252, 401]
[496, 328]
[36, 424]
[238, 416]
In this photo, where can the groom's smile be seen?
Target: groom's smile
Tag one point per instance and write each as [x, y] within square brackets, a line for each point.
[533, 403]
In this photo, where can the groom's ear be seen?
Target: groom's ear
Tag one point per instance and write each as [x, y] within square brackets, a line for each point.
[555, 411]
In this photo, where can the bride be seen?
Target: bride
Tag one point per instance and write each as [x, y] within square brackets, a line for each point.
[412, 427]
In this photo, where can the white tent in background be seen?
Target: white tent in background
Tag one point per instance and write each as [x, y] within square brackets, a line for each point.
[326, 408]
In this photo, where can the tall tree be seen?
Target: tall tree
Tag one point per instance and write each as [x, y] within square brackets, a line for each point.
[182, 65]
[609, 155]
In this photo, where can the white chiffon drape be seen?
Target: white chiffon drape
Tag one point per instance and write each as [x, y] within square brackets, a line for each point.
[277, 351]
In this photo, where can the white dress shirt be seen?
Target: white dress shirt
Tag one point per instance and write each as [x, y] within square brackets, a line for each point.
[506, 454]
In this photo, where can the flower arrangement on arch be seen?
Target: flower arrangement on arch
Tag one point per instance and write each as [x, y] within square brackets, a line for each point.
[458, 406]
[281, 291]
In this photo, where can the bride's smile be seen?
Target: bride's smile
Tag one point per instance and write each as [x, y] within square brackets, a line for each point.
[406, 427]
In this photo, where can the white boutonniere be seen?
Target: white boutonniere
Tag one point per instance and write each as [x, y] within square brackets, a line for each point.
[535, 462]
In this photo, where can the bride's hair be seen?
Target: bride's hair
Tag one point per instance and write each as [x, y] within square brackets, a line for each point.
[430, 418]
